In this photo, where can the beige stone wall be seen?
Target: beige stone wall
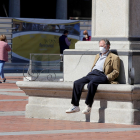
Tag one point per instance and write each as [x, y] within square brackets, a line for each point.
[134, 18]
[110, 18]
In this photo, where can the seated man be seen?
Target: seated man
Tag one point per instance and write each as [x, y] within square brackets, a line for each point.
[105, 69]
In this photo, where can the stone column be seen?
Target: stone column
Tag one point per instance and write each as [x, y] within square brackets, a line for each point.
[119, 21]
[14, 8]
[116, 20]
[61, 9]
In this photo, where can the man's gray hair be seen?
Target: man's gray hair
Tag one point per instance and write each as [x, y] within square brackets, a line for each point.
[106, 41]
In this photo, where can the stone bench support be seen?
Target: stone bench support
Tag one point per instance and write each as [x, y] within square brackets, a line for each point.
[113, 103]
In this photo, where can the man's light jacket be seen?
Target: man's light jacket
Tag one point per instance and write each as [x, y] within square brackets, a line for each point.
[111, 66]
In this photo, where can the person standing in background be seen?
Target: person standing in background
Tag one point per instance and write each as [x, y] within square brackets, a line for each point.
[4, 48]
[86, 37]
[64, 43]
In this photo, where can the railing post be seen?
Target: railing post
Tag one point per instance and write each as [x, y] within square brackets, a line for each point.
[61, 63]
[29, 72]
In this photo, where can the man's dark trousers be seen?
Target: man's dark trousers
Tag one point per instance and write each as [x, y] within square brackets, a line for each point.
[94, 78]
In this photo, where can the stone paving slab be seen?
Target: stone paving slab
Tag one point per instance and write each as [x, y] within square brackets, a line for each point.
[76, 136]
[18, 91]
[20, 123]
[12, 93]
[9, 97]
[13, 79]
[12, 113]
[7, 85]
[68, 131]
[7, 89]
[11, 100]
[13, 105]
[14, 125]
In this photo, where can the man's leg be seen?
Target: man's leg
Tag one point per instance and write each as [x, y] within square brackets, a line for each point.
[77, 90]
[98, 78]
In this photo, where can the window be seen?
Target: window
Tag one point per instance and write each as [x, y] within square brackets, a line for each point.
[38, 9]
[79, 8]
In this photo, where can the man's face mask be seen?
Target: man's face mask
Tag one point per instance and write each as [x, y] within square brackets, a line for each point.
[103, 49]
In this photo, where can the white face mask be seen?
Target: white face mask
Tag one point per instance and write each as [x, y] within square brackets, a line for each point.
[103, 50]
[84, 36]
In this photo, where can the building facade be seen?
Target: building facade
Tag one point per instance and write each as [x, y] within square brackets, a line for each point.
[53, 9]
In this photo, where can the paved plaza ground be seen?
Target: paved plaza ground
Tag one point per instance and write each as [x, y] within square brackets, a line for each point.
[14, 125]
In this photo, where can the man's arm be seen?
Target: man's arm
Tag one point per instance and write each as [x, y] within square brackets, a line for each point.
[116, 69]
[67, 41]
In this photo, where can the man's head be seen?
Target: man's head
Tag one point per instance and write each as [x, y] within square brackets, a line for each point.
[66, 32]
[3, 38]
[104, 45]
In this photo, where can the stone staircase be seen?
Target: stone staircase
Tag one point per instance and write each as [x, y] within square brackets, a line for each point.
[6, 27]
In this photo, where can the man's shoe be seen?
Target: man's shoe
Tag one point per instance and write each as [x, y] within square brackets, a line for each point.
[87, 110]
[73, 109]
[4, 80]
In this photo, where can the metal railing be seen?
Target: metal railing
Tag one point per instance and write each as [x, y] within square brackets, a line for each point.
[44, 67]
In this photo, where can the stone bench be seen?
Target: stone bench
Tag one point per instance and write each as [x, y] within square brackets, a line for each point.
[113, 103]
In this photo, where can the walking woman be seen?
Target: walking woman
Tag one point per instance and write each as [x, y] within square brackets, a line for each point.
[4, 48]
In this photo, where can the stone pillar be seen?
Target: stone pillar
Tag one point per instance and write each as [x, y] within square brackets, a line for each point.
[116, 20]
[119, 21]
[61, 9]
[14, 8]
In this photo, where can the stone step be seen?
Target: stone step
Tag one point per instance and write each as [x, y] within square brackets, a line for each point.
[3, 29]
[6, 24]
[7, 35]
[9, 39]
[10, 52]
[9, 58]
[5, 19]
[7, 28]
